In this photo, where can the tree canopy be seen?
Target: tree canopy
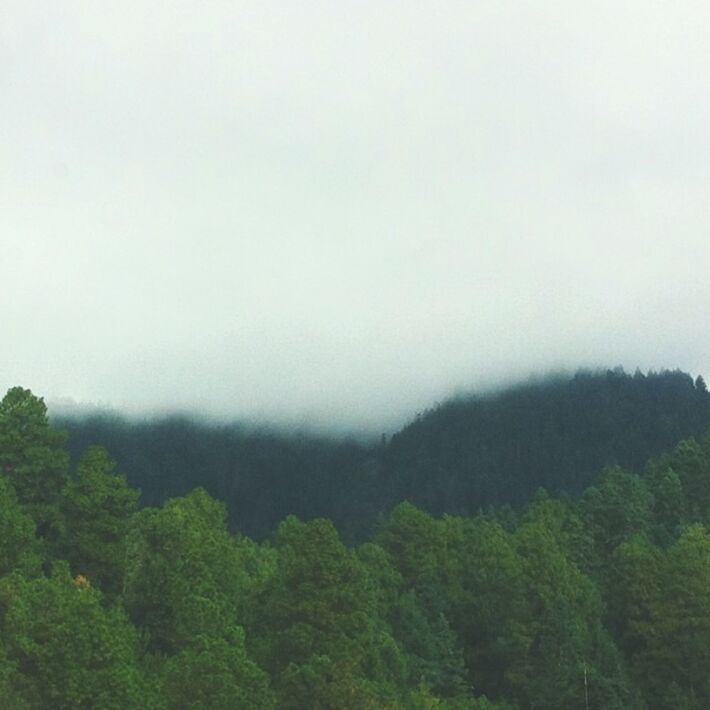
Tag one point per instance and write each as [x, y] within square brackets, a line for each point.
[599, 600]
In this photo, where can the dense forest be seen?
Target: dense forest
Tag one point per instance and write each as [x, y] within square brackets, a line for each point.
[598, 600]
[467, 454]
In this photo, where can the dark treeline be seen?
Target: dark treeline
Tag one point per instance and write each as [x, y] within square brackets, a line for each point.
[466, 454]
[262, 475]
[556, 434]
[599, 601]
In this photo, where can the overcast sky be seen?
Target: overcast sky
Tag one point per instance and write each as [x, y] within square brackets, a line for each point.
[342, 211]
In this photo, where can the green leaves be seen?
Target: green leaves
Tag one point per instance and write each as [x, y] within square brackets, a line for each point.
[318, 611]
[33, 458]
[69, 651]
[164, 609]
[215, 674]
[19, 548]
[97, 506]
[672, 653]
[183, 575]
[617, 507]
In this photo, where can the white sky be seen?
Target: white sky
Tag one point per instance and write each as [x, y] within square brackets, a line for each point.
[339, 212]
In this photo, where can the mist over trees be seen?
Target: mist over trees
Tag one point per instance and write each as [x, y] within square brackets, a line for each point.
[467, 453]
[593, 594]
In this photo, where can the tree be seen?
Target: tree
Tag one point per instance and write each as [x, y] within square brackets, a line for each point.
[70, 652]
[570, 656]
[415, 543]
[314, 627]
[617, 508]
[183, 573]
[488, 602]
[633, 584]
[690, 460]
[18, 544]
[673, 653]
[33, 458]
[669, 511]
[97, 506]
[216, 674]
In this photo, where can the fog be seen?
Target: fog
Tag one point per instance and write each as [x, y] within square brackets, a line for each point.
[340, 213]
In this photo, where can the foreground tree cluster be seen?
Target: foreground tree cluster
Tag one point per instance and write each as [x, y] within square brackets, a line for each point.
[598, 601]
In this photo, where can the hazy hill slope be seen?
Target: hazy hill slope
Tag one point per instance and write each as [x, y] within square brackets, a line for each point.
[556, 434]
[465, 454]
[261, 475]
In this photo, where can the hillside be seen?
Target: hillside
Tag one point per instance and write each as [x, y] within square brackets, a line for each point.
[600, 601]
[556, 434]
[470, 452]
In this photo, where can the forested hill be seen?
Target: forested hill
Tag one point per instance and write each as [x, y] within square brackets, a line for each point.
[468, 453]
[557, 434]
[598, 602]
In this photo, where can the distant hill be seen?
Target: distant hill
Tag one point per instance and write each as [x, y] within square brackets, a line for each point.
[557, 433]
[467, 453]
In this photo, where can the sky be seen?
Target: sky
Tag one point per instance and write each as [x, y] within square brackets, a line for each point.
[340, 213]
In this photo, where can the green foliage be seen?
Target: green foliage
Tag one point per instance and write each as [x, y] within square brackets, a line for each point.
[69, 651]
[415, 542]
[567, 642]
[32, 457]
[600, 603]
[565, 521]
[488, 603]
[690, 461]
[18, 545]
[97, 506]
[215, 674]
[318, 611]
[633, 583]
[673, 657]
[473, 452]
[183, 575]
[433, 655]
[669, 508]
[617, 508]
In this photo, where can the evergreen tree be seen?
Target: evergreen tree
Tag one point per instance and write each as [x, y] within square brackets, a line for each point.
[314, 626]
[97, 506]
[69, 651]
[19, 548]
[183, 574]
[33, 458]
[673, 659]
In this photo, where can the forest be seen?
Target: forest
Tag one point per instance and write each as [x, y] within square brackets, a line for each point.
[466, 454]
[544, 547]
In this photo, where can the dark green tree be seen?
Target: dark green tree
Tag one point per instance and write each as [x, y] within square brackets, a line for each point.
[673, 659]
[314, 625]
[570, 659]
[488, 601]
[19, 547]
[617, 508]
[97, 505]
[33, 458]
[690, 460]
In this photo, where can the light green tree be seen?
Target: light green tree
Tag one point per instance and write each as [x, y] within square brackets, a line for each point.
[183, 572]
[69, 651]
